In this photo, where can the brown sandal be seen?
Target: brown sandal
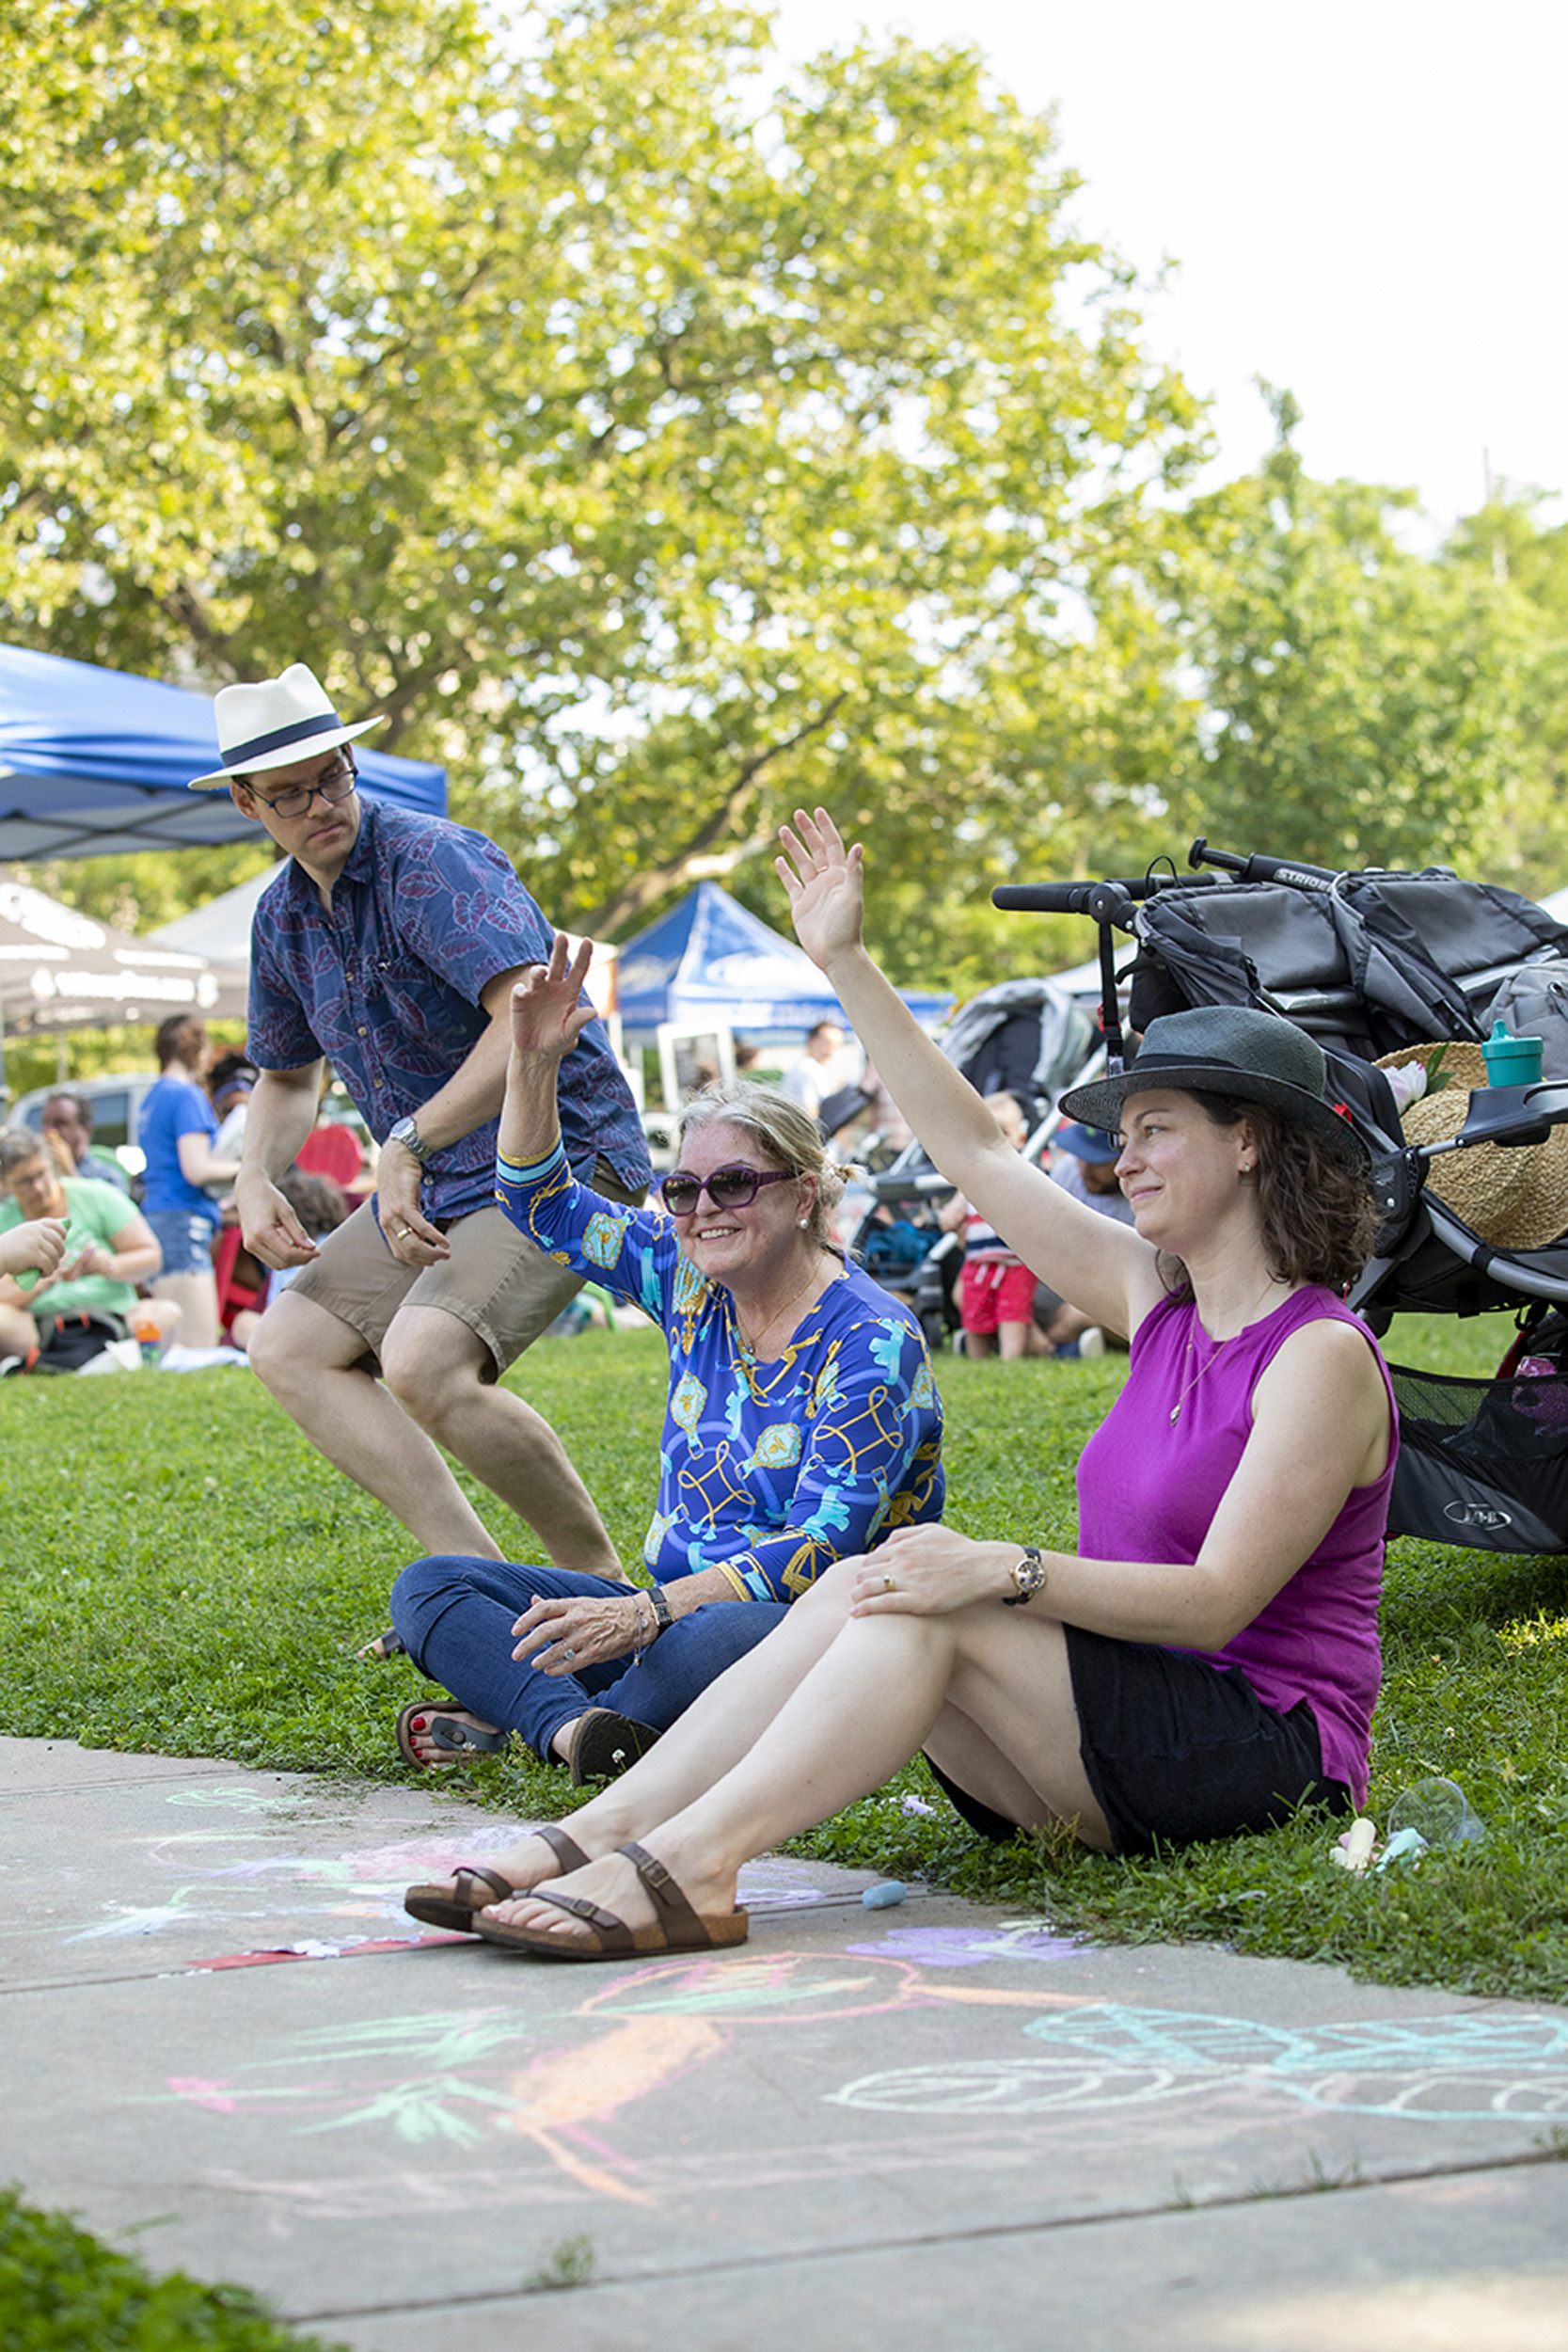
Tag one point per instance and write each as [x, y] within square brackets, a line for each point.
[678, 1928]
[474, 1887]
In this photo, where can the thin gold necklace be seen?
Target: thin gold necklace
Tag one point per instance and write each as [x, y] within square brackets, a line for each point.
[748, 1349]
[1245, 1325]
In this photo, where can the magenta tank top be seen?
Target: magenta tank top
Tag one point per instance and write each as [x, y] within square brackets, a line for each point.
[1147, 1489]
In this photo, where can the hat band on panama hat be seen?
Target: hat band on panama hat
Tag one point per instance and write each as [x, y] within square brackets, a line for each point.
[272, 720]
[240, 754]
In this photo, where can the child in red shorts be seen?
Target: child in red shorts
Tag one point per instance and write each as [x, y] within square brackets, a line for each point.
[996, 1293]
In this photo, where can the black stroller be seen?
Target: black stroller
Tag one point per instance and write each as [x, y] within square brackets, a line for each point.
[1029, 1038]
[1372, 963]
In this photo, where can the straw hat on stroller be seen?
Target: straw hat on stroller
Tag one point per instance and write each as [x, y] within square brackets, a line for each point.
[1516, 1198]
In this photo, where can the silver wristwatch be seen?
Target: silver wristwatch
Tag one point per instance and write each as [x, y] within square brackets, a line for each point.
[405, 1132]
[1029, 1577]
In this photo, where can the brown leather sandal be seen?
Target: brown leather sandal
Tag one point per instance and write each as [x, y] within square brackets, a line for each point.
[678, 1929]
[473, 1886]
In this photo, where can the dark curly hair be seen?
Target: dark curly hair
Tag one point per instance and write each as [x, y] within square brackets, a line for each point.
[1314, 1200]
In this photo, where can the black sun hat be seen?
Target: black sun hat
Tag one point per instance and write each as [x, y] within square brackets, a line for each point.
[1225, 1049]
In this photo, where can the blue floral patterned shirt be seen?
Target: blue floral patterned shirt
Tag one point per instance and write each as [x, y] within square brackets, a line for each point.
[770, 1471]
[386, 983]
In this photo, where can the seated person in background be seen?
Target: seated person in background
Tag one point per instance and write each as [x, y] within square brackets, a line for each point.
[1082, 1162]
[229, 1083]
[813, 1076]
[803, 1423]
[1209, 1660]
[175, 1129]
[67, 1126]
[996, 1290]
[109, 1249]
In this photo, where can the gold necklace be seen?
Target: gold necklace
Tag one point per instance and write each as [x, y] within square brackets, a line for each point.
[748, 1351]
[1247, 1324]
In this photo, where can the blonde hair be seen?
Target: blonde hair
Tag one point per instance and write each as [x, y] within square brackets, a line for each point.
[782, 1129]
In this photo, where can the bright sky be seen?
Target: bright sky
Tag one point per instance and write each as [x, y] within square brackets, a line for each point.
[1366, 201]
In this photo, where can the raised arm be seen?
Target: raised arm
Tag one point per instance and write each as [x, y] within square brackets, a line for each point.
[1097, 1263]
[547, 1018]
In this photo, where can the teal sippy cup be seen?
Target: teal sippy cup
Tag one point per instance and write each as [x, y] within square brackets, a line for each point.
[1511, 1061]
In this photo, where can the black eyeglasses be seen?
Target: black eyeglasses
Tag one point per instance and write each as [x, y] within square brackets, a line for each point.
[334, 784]
[733, 1187]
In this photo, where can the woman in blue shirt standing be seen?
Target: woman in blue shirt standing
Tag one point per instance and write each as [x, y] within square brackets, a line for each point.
[802, 1424]
[175, 1132]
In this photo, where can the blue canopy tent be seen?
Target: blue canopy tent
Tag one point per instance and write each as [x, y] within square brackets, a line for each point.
[92, 762]
[709, 960]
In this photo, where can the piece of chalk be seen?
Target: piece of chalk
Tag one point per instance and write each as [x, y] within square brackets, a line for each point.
[883, 1898]
[1359, 1839]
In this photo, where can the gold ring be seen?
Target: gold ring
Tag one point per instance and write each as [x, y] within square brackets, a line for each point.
[887, 1583]
[401, 1233]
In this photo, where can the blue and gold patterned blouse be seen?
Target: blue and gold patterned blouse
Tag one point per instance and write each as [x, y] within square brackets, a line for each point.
[770, 1471]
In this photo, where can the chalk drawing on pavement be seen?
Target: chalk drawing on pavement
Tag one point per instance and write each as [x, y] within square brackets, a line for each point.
[1456, 2069]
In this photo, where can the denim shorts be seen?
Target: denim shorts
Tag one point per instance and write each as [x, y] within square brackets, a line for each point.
[185, 1238]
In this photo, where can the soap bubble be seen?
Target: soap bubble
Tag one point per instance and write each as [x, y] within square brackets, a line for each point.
[1438, 1812]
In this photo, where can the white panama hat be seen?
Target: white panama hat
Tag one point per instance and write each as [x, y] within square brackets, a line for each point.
[272, 724]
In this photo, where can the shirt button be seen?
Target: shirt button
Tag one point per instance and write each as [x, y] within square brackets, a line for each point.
[378, 1086]
[363, 1031]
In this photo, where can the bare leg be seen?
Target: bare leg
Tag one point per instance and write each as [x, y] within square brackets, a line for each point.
[307, 1360]
[196, 1298]
[1013, 1339]
[434, 1363]
[875, 1697]
[18, 1331]
[976, 1343]
[715, 1732]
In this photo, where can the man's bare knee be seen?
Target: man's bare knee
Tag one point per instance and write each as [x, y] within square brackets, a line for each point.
[432, 1367]
[293, 1345]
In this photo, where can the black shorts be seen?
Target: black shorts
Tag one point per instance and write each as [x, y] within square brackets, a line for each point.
[1178, 1751]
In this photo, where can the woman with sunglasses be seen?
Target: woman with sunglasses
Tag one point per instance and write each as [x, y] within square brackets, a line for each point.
[802, 1424]
[1208, 1662]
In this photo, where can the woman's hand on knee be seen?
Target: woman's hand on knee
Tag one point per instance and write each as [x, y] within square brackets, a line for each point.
[561, 1637]
[927, 1571]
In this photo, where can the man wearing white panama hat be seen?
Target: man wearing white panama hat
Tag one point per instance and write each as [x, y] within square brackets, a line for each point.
[389, 945]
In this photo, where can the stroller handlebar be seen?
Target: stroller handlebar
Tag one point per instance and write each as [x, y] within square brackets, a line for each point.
[1274, 869]
[1102, 902]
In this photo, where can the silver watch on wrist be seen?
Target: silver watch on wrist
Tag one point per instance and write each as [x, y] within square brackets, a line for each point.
[1028, 1576]
[405, 1132]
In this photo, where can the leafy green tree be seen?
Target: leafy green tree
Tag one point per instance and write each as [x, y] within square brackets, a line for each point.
[1361, 703]
[1507, 542]
[658, 440]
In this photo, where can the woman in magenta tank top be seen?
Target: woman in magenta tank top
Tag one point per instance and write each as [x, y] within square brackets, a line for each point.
[1207, 1661]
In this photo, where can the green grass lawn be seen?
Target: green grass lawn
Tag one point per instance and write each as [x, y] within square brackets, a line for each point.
[181, 1572]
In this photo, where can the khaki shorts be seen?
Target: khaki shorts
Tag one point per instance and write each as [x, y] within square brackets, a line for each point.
[496, 1281]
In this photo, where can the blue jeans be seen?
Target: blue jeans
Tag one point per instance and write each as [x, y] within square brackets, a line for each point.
[455, 1617]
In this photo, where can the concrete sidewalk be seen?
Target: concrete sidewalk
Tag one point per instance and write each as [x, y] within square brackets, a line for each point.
[936, 2122]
